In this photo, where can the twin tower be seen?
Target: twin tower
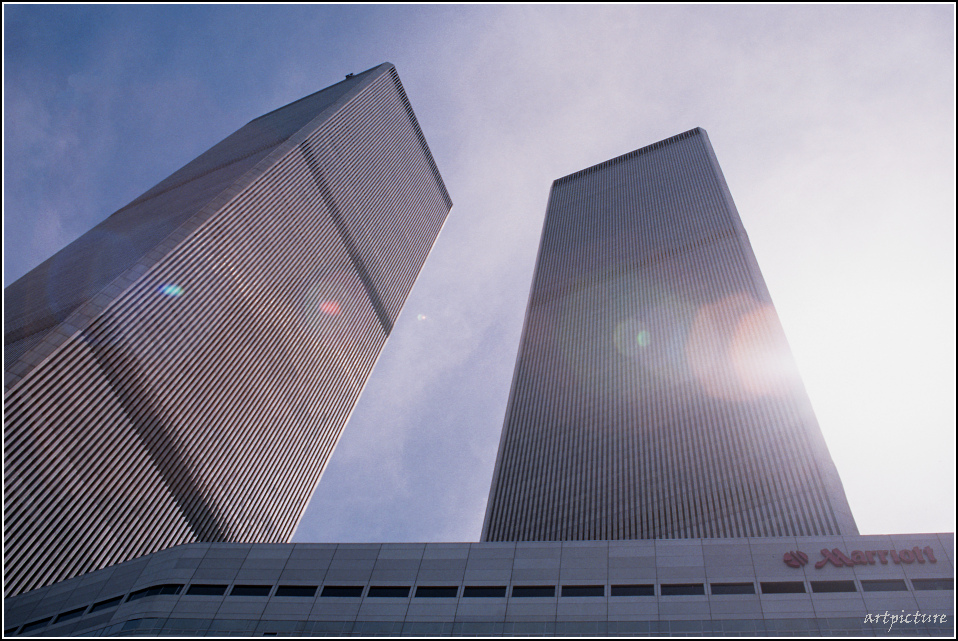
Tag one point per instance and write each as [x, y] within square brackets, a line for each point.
[182, 371]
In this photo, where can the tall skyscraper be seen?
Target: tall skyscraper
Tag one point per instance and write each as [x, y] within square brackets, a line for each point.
[654, 394]
[183, 371]
[653, 330]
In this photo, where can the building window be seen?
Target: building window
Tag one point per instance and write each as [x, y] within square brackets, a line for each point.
[683, 589]
[884, 585]
[782, 587]
[72, 614]
[484, 591]
[522, 591]
[436, 592]
[308, 591]
[733, 588]
[201, 589]
[155, 590]
[103, 605]
[833, 586]
[633, 590]
[387, 591]
[36, 625]
[342, 590]
[583, 590]
[933, 584]
[251, 590]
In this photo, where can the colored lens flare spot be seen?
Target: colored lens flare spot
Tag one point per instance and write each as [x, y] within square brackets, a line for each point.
[737, 350]
[421, 317]
[171, 290]
[330, 307]
[631, 337]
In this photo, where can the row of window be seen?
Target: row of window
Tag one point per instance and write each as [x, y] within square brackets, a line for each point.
[666, 589]
[805, 627]
[485, 591]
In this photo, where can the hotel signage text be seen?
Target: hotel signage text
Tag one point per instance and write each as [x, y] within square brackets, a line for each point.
[839, 559]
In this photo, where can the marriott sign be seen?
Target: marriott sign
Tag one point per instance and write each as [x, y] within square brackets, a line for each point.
[839, 559]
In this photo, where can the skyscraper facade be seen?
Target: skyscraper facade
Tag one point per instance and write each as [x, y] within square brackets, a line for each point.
[654, 393]
[183, 371]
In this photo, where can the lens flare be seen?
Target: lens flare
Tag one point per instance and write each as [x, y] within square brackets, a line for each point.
[737, 350]
[330, 307]
[630, 337]
[627, 328]
[421, 317]
[760, 354]
[171, 290]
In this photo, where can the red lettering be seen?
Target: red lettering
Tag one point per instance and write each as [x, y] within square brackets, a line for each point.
[844, 558]
[858, 557]
[835, 557]
[826, 556]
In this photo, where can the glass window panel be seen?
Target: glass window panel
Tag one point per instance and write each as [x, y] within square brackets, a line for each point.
[35, 625]
[72, 614]
[155, 590]
[395, 591]
[683, 589]
[342, 590]
[186, 624]
[628, 627]
[581, 628]
[533, 591]
[306, 591]
[685, 626]
[883, 585]
[201, 589]
[334, 628]
[238, 625]
[783, 587]
[583, 590]
[844, 623]
[437, 592]
[250, 590]
[477, 628]
[427, 628]
[633, 590]
[136, 624]
[933, 584]
[484, 591]
[378, 628]
[733, 588]
[280, 626]
[833, 586]
[740, 625]
[109, 603]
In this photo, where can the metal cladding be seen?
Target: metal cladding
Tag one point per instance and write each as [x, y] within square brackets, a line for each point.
[654, 394]
[183, 371]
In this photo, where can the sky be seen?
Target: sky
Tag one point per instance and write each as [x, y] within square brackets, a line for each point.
[834, 127]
